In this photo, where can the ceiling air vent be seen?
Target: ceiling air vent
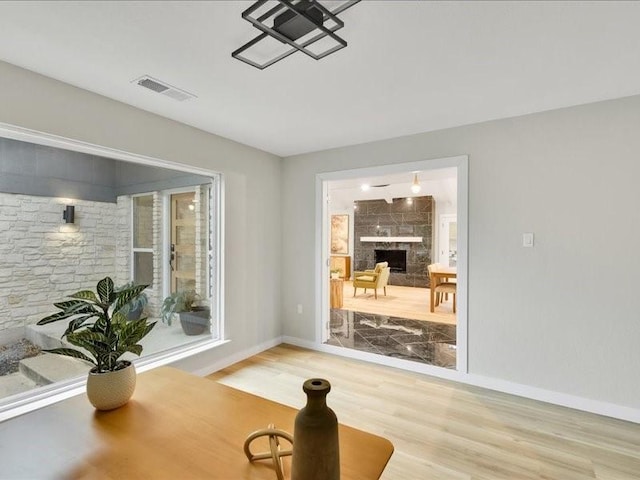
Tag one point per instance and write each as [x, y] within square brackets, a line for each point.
[163, 88]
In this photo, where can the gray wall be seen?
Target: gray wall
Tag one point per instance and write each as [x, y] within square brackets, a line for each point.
[133, 178]
[562, 316]
[31, 169]
[252, 189]
[45, 171]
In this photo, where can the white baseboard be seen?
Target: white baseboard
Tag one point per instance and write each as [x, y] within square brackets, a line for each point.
[598, 407]
[237, 357]
[548, 396]
[300, 342]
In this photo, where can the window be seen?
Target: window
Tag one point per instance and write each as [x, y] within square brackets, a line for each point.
[142, 239]
[121, 230]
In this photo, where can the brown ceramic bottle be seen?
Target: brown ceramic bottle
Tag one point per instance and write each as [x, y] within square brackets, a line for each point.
[316, 454]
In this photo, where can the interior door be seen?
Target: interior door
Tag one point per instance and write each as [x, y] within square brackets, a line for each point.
[183, 242]
[448, 240]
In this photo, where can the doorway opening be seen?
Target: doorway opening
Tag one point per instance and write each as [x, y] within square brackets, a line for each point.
[376, 291]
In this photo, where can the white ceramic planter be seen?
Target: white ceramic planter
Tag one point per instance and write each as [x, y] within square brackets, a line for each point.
[110, 390]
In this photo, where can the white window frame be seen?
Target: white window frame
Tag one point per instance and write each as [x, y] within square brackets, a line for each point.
[43, 396]
[132, 248]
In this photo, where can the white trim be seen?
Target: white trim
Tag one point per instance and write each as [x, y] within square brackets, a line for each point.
[459, 162]
[462, 262]
[391, 239]
[216, 260]
[238, 357]
[597, 407]
[133, 250]
[322, 261]
[607, 409]
[57, 392]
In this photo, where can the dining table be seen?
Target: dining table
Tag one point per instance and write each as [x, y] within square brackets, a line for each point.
[439, 275]
[176, 426]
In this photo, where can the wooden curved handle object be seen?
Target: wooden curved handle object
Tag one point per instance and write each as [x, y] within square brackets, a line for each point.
[275, 453]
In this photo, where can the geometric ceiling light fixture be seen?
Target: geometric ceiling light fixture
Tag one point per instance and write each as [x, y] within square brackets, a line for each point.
[290, 26]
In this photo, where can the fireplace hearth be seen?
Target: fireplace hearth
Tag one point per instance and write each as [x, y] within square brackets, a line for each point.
[397, 259]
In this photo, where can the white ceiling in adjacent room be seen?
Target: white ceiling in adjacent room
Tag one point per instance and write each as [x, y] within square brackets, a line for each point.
[409, 67]
[441, 184]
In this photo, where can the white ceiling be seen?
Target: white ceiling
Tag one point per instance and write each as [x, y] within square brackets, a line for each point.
[440, 183]
[411, 66]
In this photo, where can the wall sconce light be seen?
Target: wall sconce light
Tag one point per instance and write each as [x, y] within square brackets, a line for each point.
[69, 213]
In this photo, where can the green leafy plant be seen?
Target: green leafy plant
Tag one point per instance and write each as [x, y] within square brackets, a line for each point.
[99, 326]
[182, 301]
[136, 304]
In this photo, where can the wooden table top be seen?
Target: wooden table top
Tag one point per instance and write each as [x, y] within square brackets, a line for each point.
[176, 426]
[445, 271]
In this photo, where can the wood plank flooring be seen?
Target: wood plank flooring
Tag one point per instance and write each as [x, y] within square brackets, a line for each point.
[445, 430]
[403, 302]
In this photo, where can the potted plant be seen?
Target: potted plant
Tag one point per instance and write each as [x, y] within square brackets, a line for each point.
[194, 318]
[133, 310]
[99, 327]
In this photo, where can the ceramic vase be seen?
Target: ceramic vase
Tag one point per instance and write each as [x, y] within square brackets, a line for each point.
[110, 390]
[316, 453]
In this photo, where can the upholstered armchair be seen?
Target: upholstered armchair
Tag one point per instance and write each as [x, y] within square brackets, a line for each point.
[376, 278]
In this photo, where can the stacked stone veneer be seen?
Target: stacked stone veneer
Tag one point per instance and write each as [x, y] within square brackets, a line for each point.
[154, 292]
[44, 259]
[398, 219]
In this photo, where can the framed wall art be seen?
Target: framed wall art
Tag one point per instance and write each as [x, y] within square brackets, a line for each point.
[340, 234]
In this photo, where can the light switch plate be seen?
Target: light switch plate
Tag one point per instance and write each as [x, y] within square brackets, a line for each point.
[527, 239]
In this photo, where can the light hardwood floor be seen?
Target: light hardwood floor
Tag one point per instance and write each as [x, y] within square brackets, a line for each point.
[444, 430]
[403, 302]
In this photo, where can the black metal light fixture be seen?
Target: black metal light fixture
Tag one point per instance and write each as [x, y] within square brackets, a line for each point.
[69, 213]
[297, 26]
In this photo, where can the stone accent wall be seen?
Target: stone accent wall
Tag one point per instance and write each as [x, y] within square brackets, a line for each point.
[155, 292]
[123, 241]
[44, 259]
[398, 219]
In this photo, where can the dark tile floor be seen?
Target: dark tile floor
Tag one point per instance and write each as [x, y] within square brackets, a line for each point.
[416, 340]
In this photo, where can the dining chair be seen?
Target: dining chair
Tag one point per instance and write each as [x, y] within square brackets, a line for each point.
[441, 287]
